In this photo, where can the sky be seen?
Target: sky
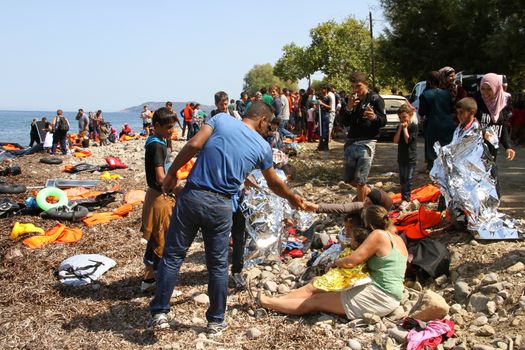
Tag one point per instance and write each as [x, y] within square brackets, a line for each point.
[113, 54]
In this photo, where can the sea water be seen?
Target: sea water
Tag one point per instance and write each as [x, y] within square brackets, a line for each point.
[16, 125]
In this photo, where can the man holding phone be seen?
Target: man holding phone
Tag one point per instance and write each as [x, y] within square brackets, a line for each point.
[364, 115]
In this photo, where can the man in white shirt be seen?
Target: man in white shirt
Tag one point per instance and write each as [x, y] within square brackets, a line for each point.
[146, 116]
[331, 114]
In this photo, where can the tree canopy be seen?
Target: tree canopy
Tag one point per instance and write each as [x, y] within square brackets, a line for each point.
[474, 36]
[477, 36]
[336, 49]
[261, 75]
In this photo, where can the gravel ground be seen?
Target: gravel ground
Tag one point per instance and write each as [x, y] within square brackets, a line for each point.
[39, 313]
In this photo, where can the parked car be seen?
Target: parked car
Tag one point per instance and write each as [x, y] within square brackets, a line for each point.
[392, 104]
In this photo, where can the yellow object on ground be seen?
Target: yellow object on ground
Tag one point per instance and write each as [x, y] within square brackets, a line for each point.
[19, 229]
[107, 176]
[338, 279]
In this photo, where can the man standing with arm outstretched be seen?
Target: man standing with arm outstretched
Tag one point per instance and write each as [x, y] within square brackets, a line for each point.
[229, 150]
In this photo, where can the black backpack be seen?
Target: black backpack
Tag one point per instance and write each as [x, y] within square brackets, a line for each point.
[62, 124]
[430, 258]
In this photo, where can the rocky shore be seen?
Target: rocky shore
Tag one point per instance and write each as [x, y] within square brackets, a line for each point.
[484, 294]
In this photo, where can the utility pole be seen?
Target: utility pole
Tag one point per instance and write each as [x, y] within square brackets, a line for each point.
[372, 51]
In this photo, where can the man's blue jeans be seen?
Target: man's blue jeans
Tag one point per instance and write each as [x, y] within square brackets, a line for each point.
[212, 213]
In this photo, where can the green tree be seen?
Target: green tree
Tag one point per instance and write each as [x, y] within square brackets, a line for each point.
[294, 63]
[476, 36]
[336, 49]
[261, 75]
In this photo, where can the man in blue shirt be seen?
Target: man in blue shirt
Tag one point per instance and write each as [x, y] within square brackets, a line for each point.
[229, 150]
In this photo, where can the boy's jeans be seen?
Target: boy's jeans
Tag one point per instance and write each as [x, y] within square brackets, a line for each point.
[212, 213]
[239, 241]
[406, 175]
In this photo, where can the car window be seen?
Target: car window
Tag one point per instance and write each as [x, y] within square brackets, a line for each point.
[392, 105]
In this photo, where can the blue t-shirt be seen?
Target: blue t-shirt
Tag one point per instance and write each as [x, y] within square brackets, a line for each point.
[231, 152]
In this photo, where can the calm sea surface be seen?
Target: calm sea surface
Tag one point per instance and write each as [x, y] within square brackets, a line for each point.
[15, 125]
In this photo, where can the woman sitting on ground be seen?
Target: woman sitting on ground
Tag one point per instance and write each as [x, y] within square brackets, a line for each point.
[385, 255]
[126, 130]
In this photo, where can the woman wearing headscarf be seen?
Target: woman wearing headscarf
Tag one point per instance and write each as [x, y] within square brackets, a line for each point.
[493, 111]
[435, 106]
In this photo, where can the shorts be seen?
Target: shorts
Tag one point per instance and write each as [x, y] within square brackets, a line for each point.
[156, 216]
[358, 161]
[367, 298]
[146, 125]
[331, 115]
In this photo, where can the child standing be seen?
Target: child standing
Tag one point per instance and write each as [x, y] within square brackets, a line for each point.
[466, 110]
[275, 138]
[104, 133]
[406, 139]
[310, 122]
[157, 208]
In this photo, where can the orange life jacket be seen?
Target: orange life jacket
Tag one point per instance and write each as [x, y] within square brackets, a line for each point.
[188, 113]
[424, 194]
[184, 171]
[58, 234]
[83, 154]
[414, 225]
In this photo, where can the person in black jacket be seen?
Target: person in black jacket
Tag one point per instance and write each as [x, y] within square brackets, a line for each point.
[364, 115]
[35, 138]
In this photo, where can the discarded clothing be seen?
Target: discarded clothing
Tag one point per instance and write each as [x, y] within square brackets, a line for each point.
[83, 269]
[431, 336]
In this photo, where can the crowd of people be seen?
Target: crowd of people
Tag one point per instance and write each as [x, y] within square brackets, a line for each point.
[238, 136]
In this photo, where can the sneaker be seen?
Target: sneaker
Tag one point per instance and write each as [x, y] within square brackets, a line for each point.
[216, 328]
[238, 281]
[159, 321]
[404, 205]
[147, 286]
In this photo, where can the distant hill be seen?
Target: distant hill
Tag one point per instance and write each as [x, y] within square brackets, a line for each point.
[177, 107]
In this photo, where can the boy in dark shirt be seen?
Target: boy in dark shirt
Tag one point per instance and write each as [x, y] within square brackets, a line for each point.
[406, 139]
[157, 208]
